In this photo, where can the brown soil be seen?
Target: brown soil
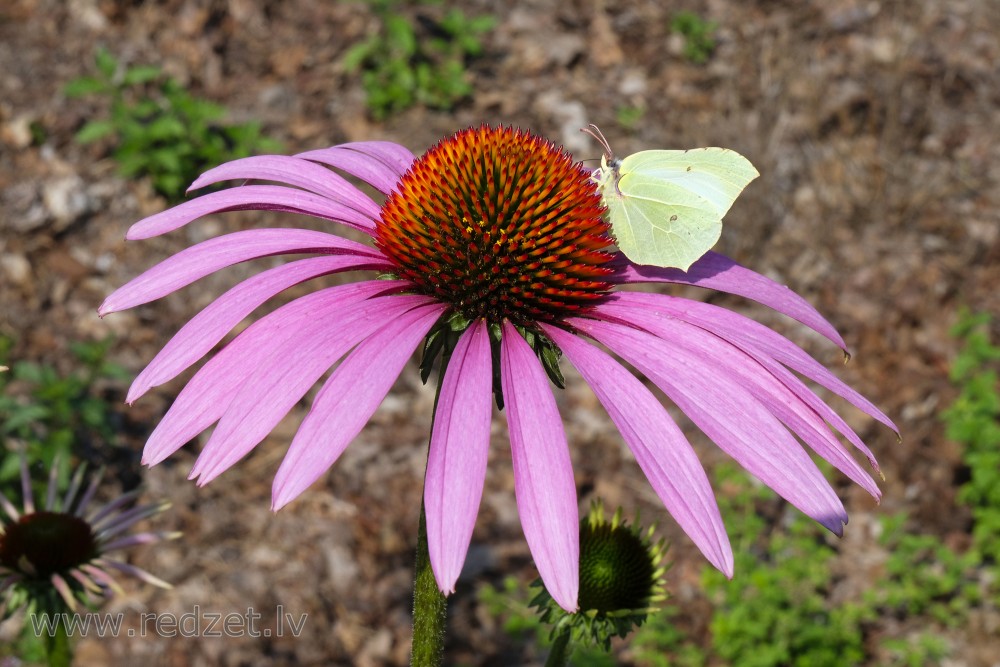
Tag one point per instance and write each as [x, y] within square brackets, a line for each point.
[873, 124]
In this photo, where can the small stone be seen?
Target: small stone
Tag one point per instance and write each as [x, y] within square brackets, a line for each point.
[342, 566]
[883, 50]
[66, 200]
[24, 211]
[604, 48]
[570, 115]
[16, 132]
[633, 83]
[16, 269]
[278, 98]
[563, 48]
[851, 16]
[376, 649]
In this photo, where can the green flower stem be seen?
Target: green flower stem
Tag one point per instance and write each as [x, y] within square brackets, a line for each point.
[430, 606]
[57, 648]
[559, 655]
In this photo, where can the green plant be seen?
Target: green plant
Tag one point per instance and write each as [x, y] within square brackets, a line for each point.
[52, 414]
[775, 611]
[521, 622]
[158, 129]
[402, 65]
[698, 33]
[629, 117]
[518, 619]
[926, 649]
[974, 421]
[660, 643]
[924, 577]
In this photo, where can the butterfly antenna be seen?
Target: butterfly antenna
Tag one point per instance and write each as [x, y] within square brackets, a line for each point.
[596, 133]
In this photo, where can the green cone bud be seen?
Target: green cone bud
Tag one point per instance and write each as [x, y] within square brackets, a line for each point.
[621, 581]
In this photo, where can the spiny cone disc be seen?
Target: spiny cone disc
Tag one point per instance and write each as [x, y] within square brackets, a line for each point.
[500, 224]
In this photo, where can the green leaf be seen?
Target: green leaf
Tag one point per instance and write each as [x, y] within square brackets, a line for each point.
[481, 24]
[400, 35]
[141, 74]
[106, 63]
[356, 56]
[85, 85]
[94, 130]
[164, 128]
[144, 108]
[167, 158]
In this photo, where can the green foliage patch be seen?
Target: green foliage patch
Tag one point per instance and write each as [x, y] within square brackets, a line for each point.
[404, 64]
[698, 33]
[158, 129]
[51, 414]
[974, 420]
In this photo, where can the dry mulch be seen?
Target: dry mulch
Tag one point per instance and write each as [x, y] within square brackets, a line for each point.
[873, 125]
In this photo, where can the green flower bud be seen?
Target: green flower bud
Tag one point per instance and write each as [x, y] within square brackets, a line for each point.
[621, 581]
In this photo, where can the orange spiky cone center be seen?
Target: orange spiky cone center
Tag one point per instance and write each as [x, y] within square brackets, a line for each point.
[500, 224]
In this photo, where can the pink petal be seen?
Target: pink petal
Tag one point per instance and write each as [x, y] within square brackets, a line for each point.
[200, 260]
[88, 584]
[111, 507]
[734, 420]
[810, 398]
[64, 590]
[765, 346]
[756, 380]
[768, 348]
[392, 154]
[27, 495]
[543, 473]
[135, 539]
[203, 332]
[249, 198]
[282, 376]
[83, 506]
[369, 169]
[102, 578]
[9, 509]
[718, 272]
[756, 339]
[664, 454]
[292, 171]
[74, 487]
[206, 396]
[133, 571]
[349, 398]
[456, 462]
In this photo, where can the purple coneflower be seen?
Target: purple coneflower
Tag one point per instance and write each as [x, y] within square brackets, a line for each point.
[496, 244]
[64, 545]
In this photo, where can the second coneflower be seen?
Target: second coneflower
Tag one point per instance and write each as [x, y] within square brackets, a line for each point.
[501, 259]
[57, 553]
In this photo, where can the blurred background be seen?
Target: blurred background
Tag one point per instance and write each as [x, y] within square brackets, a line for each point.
[874, 126]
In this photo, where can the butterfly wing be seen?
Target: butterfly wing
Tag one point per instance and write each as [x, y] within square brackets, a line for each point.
[668, 206]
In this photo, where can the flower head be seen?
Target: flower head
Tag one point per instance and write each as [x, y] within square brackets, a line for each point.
[621, 580]
[496, 238]
[59, 553]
